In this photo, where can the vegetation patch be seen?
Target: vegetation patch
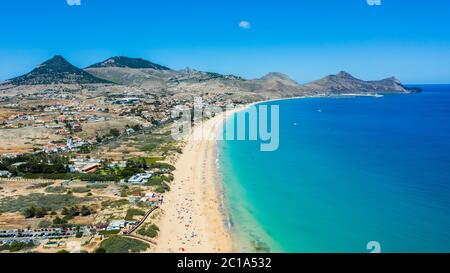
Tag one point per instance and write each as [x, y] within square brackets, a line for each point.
[52, 202]
[81, 189]
[36, 163]
[44, 224]
[76, 211]
[115, 203]
[16, 246]
[35, 212]
[98, 186]
[39, 185]
[59, 189]
[149, 230]
[57, 222]
[108, 232]
[119, 244]
[159, 183]
[148, 160]
[72, 176]
[131, 213]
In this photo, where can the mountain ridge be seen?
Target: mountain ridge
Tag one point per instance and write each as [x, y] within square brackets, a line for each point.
[344, 82]
[127, 62]
[56, 70]
[145, 74]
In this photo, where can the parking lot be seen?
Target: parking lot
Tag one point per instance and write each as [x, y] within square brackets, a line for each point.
[28, 235]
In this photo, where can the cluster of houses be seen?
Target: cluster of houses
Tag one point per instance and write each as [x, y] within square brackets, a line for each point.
[73, 143]
[114, 225]
[80, 165]
[147, 198]
[117, 225]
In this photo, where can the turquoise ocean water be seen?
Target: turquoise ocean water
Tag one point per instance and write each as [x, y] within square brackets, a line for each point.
[348, 171]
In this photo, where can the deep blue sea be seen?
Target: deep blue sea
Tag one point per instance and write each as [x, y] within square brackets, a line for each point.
[348, 171]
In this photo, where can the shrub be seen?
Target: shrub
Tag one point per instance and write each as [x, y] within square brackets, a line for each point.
[119, 244]
[67, 217]
[98, 186]
[58, 221]
[58, 189]
[154, 181]
[40, 185]
[40, 212]
[34, 212]
[81, 189]
[29, 212]
[53, 202]
[149, 231]
[18, 246]
[74, 211]
[70, 212]
[162, 165]
[114, 132]
[44, 224]
[85, 211]
[115, 203]
[162, 188]
[133, 212]
[100, 250]
[108, 232]
[65, 211]
[149, 147]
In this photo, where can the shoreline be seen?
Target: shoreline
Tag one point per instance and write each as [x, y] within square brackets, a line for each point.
[194, 219]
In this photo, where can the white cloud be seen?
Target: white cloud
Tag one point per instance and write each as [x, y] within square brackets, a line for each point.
[374, 2]
[245, 25]
[73, 2]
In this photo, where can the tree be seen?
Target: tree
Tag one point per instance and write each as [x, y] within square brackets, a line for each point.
[45, 224]
[65, 211]
[114, 132]
[40, 212]
[59, 221]
[17, 246]
[149, 231]
[74, 211]
[100, 250]
[78, 233]
[85, 211]
[136, 127]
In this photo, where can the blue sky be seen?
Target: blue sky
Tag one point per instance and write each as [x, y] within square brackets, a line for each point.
[306, 39]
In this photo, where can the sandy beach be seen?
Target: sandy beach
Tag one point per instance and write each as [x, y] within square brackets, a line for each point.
[193, 220]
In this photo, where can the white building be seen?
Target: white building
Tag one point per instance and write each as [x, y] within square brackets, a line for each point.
[5, 174]
[83, 165]
[139, 178]
[116, 225]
